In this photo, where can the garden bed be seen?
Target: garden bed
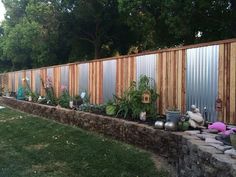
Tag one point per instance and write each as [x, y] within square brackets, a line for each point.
[189, 155]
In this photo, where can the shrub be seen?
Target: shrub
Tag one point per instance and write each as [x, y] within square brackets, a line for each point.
[64, 100]
[130, 103]
[50, 95]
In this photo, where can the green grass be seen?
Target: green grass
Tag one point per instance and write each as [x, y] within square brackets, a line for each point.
[32, 146]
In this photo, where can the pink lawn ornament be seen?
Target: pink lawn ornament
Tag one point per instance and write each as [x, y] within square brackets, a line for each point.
[218, 126]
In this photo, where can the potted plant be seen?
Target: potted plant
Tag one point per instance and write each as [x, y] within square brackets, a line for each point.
[173, 114]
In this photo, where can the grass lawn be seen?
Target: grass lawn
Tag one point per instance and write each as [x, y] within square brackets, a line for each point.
[32, 146]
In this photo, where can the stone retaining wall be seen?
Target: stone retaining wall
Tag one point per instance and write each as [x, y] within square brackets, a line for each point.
[190, 155]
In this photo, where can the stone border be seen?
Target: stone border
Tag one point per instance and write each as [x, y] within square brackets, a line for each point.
[190, 155]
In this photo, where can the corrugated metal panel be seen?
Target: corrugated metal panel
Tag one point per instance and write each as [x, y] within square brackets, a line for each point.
[37, 81]
[50, 73]
[146, 65]
[202, 79]
[109, 79]
[65, 77]
[28, 77]
[83, 77]
[20, 79]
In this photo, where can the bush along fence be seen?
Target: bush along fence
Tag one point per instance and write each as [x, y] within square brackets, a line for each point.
[202, 74]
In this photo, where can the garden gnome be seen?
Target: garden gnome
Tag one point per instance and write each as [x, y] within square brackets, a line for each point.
[195, 118]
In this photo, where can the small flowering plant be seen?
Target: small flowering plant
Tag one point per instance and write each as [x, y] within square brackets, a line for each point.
[64, 100]
[48, 87]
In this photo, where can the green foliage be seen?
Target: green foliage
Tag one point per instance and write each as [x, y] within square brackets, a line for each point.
[87, 107]
[41, 33]
[50, 94]
[64, 100]
[130, 104]
[111, 108]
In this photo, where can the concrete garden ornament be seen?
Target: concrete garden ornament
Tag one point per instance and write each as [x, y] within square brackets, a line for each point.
[195, 118]
[143, 116]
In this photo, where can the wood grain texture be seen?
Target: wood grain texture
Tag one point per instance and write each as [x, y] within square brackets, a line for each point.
[170, 75]
[96, 82]
[171, 80]
[227, 82]
[125, 74]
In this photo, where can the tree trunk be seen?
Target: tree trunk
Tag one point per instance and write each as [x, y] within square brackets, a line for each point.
[97, 49]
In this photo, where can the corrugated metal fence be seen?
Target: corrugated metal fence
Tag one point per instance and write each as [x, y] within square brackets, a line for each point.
[196, 74]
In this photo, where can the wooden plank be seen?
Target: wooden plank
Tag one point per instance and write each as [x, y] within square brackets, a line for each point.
[98, 67]
[135, 69]
[227, 59]
[175, 79]
[117, 77]
[232, 82]
[159, 81]
[164, 94]
[183, 95]
[76, 82]
[90, 82]
[16, 81]
[168, 79]
[221, 82]
[101, 84]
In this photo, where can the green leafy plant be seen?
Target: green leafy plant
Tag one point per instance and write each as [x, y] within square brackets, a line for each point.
[111, 108]
[64, 100]
[50, 95]
[87, 107]
[131, 105]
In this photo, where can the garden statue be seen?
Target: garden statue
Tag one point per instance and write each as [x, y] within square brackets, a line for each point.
[195, 118]
[142, 116]
[20, 94]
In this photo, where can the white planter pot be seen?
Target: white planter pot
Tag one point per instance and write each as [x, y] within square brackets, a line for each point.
[30, 98]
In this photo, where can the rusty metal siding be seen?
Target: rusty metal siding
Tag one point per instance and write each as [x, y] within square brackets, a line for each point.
[83, 77]
[202, 79]
[109, 80]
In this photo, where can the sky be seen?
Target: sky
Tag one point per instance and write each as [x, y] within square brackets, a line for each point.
[2, 11]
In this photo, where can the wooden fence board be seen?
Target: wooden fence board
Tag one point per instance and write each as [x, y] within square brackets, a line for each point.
[170, 78]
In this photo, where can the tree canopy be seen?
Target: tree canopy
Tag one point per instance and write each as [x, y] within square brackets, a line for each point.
[43, 32]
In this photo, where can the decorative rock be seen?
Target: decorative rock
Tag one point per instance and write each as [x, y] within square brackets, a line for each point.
[203, 136]
[213, 141]
[192, 132]
[231, 152]
[212, 131]
[220, 147]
